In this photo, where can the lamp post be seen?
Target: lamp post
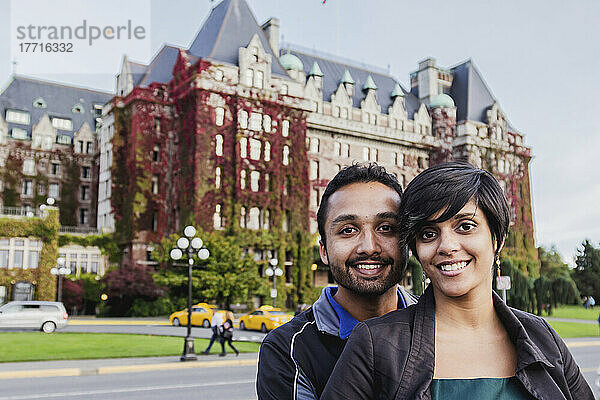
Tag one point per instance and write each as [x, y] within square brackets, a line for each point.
[61, 271]
[274, 271]
[190, 245]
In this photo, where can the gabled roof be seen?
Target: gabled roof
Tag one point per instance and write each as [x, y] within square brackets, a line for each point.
[229, 26]
[137, 71]
[470, 93]
[59, 98]
[333, 71]
[160, 69]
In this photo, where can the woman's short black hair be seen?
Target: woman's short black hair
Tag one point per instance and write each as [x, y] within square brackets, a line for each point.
[448, 187]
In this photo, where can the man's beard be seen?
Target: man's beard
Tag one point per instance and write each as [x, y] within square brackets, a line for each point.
[366, 286]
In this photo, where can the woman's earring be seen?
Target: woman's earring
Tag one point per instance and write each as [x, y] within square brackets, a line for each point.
[497, 264]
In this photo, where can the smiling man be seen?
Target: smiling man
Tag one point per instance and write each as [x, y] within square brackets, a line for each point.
[358, 224]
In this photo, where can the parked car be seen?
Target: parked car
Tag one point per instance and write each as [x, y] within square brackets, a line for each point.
[201, 316]
[46, 316]
[265, 318]
[227, 314]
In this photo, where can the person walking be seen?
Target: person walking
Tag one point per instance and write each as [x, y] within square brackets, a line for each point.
[216, 323]
[227, 337]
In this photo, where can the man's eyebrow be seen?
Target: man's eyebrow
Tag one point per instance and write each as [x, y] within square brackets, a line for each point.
[387, 215]
[344, 217]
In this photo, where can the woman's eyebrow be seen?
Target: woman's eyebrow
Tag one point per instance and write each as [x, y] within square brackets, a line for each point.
[465, 215]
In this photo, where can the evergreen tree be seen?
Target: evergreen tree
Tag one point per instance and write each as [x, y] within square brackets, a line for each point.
[587, 271]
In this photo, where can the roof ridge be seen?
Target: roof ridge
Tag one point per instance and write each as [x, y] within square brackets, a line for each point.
[212, 51]
[55, 83]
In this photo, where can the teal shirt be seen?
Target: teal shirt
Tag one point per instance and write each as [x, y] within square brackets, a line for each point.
[479, 388]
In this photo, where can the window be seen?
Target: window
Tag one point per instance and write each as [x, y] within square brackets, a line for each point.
[218, 178]
[63, 139]
[39, 103]
[19, 133]
[154, 184]
[267, 183]
[62, 123]
[255, 121]
[84, 267]
[17, 117]
[85, 172]
[265, 219]
[29, 167]
[337, 148]
[254, 179]
[243, 179]
[399, 159]
[85, 192]
[285, 221]
[154, 221]
[41, 189]
[219, 75]
[157, 124]
[83, 216]
[94, 267]
[344, 113]
[267, 151]
[217, 220]
[243, 119]
[242, 217]
[89, 147]
[365, 154]
[255, 149]
[77, 109]
[79, 146]
[314, 145]
[314, 170]
[3, 258]
[283, 90]
[219, 116]
[219, 145]
[34, 258]
[286, 155]
[53, 190]
[373, 155]
[267, 123]
[156, 153]
[243, 147]
[345, 150]
[55, 169]
[285, 128]
[27, 188]
[18, 259]
[254, 218]
[259, 79]
[249, 77]
[314, 198]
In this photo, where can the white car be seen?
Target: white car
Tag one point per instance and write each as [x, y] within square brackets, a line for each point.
[46, 316]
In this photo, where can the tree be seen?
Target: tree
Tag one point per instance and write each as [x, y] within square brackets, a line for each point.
[124, 285]
[227, 276]
[587, 272]
[72, 293]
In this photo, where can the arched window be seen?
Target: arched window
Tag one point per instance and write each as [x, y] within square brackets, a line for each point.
[219, 116]
[249, 77]
[218, 178]
[219, 145]
[285, 128]
[286, 155]
[243, 119]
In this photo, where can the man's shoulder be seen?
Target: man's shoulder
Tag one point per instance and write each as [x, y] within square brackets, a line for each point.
[283, 335]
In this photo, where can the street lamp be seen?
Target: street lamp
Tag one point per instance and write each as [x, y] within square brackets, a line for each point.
[274, 271]
[190, 245]
[61, 271]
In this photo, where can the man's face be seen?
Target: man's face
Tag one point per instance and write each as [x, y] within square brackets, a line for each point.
[362, 237]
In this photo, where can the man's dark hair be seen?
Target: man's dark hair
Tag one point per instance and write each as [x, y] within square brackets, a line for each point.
[449, 187]
[354, 173]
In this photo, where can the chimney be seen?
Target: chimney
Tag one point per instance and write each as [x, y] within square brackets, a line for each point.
[271, 30]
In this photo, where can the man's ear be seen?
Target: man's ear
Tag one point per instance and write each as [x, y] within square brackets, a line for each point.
[323, 253]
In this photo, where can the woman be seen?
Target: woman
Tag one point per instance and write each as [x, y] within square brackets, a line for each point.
[460, 341]
[227, 337]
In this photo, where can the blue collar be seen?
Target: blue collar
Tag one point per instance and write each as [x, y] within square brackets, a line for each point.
[347, 321]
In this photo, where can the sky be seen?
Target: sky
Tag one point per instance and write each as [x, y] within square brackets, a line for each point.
[540, 58]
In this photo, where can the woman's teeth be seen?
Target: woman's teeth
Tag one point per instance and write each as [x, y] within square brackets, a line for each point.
[454, 267]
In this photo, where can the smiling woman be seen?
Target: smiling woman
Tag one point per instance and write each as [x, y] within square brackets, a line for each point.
[460, 340]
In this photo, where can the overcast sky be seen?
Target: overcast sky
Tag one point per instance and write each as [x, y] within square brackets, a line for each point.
[541, 59]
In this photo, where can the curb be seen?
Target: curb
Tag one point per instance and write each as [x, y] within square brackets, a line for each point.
[56, 372]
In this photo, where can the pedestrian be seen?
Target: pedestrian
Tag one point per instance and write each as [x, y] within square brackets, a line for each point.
[216, 323]
[592, 301]
[460, 341]
[358, 227]
[227, 337]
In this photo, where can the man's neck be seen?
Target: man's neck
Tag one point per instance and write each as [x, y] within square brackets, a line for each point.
[363, 308]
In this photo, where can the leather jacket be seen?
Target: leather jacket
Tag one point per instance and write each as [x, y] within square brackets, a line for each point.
[392, 357]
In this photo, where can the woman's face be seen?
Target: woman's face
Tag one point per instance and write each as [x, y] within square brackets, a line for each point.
[457, 255]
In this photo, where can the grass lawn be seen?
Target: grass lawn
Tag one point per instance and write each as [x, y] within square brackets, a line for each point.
[37, 346]
[576, 312]
[574, 329]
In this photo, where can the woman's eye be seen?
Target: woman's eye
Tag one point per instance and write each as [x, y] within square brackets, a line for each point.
[466, 226]
[427, 235]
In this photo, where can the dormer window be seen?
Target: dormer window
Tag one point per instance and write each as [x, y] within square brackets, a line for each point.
[249, 77]
[259, 78]
[18, 133]
[62, 123]
[219, 75]
[77, 109]
[39, 103]
[17, 117]
[254, 53]
[98, 110]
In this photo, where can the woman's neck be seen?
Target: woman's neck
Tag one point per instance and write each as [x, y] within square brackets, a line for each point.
[475, 310]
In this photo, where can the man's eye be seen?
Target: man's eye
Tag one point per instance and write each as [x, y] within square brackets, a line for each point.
[386, 228]
[347, 231]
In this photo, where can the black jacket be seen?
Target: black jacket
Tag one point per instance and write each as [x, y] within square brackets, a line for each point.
[392, 357]
[297, 358]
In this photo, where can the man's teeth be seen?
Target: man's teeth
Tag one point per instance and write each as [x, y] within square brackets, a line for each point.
[368, 266]
[454, 267]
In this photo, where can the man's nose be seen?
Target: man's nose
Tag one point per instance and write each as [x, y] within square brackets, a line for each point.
[369, 244]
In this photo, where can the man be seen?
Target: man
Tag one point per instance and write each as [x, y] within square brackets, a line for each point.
[215, 323]
[358, 226]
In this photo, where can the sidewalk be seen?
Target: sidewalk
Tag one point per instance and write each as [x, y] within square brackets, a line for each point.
[41, 369]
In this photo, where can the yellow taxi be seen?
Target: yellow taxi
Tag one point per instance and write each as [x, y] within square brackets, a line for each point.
[215, 310]
[201, 316]
[265, 318]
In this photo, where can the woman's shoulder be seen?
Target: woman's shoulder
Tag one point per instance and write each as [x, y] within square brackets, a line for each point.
[404, 316]
[535, 326]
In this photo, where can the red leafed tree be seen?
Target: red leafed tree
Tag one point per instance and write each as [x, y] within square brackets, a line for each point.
[124, 285]
[72, 294]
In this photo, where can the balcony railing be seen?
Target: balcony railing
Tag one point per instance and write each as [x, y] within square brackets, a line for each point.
[82, 230]
[19, 212]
